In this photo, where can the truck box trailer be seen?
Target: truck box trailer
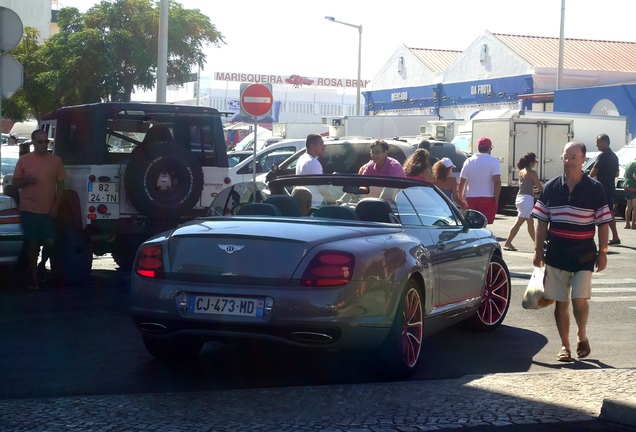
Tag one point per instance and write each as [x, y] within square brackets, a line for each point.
[298, 130]
[379, 126]
[544, 134]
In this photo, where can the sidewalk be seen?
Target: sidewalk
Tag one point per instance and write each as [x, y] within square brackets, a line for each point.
[558, 399]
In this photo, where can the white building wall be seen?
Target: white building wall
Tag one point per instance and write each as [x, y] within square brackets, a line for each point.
[309, 104]
[486, 58]
[408, 72]
[33, 13]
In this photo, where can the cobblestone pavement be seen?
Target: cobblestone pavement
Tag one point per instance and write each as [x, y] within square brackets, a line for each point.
[563, 397]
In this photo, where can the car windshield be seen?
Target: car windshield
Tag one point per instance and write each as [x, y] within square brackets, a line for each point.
[350, 198]
[463, 143]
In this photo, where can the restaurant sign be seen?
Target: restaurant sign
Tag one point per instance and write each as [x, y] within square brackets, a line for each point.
[296, 81]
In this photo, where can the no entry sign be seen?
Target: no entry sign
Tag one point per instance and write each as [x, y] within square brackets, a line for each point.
[256, 99]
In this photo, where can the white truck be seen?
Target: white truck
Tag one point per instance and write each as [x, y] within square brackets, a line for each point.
[545, 134]
[380, 126]
[443, 130]
[297, 130]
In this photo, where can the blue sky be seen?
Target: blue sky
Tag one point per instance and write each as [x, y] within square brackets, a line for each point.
[286, 37]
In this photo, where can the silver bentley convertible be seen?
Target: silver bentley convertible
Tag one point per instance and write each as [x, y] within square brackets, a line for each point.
[329, 262]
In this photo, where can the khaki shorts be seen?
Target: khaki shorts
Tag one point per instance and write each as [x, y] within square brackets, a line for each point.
[559, 284]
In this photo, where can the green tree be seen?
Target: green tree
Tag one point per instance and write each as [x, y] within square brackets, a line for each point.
[129, 32]
[105, 53]
[77, 68]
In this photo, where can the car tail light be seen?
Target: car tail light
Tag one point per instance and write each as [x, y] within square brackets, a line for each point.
[329, 268]
[150, 262]
[10, 216]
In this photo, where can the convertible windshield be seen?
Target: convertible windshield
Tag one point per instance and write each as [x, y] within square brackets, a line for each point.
[344, 197]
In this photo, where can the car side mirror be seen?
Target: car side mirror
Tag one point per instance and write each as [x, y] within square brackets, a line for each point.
[475, 219]
[272, 174]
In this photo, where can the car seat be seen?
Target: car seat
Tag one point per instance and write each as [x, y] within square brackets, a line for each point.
[336, 212]
[285, 204]
[375, 210]
[258, 209]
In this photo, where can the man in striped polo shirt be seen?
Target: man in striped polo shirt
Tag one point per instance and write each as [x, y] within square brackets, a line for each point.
[569, 210]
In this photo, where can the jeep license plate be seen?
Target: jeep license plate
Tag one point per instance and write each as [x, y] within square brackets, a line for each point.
[102, 192]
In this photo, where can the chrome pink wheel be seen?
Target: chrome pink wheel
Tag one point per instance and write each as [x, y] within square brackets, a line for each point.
[496, 297]
[412, 326]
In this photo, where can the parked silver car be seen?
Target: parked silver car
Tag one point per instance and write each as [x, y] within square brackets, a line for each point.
[11, 234]
[394, 263]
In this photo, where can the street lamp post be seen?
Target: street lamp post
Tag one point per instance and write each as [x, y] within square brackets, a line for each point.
[359, 27]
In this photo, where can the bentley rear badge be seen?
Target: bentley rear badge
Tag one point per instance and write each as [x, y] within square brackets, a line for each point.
[230, 248]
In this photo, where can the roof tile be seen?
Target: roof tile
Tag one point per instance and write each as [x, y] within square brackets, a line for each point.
[579, 54]
[435, 60]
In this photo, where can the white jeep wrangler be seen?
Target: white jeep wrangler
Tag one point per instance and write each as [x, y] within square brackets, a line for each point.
[134, 170]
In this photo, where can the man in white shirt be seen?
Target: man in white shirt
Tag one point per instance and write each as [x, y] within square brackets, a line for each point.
[480, 181]
[307, 163]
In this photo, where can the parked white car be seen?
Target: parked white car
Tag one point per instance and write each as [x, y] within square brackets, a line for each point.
[625, 155]
[273, 154]
[247, 143]
[9, 155]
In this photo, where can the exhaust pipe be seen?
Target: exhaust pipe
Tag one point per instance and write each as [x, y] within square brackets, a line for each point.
[152, 327]
[312, 337]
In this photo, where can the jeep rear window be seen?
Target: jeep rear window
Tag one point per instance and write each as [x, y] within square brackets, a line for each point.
[73, 139]
[125, 132]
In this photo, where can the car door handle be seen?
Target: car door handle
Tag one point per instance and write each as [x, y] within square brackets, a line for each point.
[440, 245]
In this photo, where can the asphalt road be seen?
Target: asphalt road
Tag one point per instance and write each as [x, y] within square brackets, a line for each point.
[80, 341]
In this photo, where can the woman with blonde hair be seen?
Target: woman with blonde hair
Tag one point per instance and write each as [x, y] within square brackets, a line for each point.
[418, 166]
[444, 180]
[529, 184]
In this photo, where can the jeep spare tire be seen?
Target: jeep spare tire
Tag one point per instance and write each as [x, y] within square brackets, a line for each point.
[163, 180]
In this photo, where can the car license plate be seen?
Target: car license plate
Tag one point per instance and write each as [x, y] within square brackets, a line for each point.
[102, 192]
[217, 305]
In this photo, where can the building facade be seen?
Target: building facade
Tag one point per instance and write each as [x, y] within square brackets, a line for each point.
[499, 71]
[35, 13]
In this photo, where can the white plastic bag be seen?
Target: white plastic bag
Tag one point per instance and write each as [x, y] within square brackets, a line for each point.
[533, 297]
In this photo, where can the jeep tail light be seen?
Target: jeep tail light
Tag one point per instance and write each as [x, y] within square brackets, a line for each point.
[149, 262]
[329, 268]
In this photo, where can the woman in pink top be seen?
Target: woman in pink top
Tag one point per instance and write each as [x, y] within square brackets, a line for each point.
[418, 166]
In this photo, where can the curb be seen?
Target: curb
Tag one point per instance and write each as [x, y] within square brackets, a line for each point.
[619, 411]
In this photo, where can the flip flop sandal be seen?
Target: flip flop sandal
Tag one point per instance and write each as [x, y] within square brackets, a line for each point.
[510, 248]
[564, 355]
[583, 349]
